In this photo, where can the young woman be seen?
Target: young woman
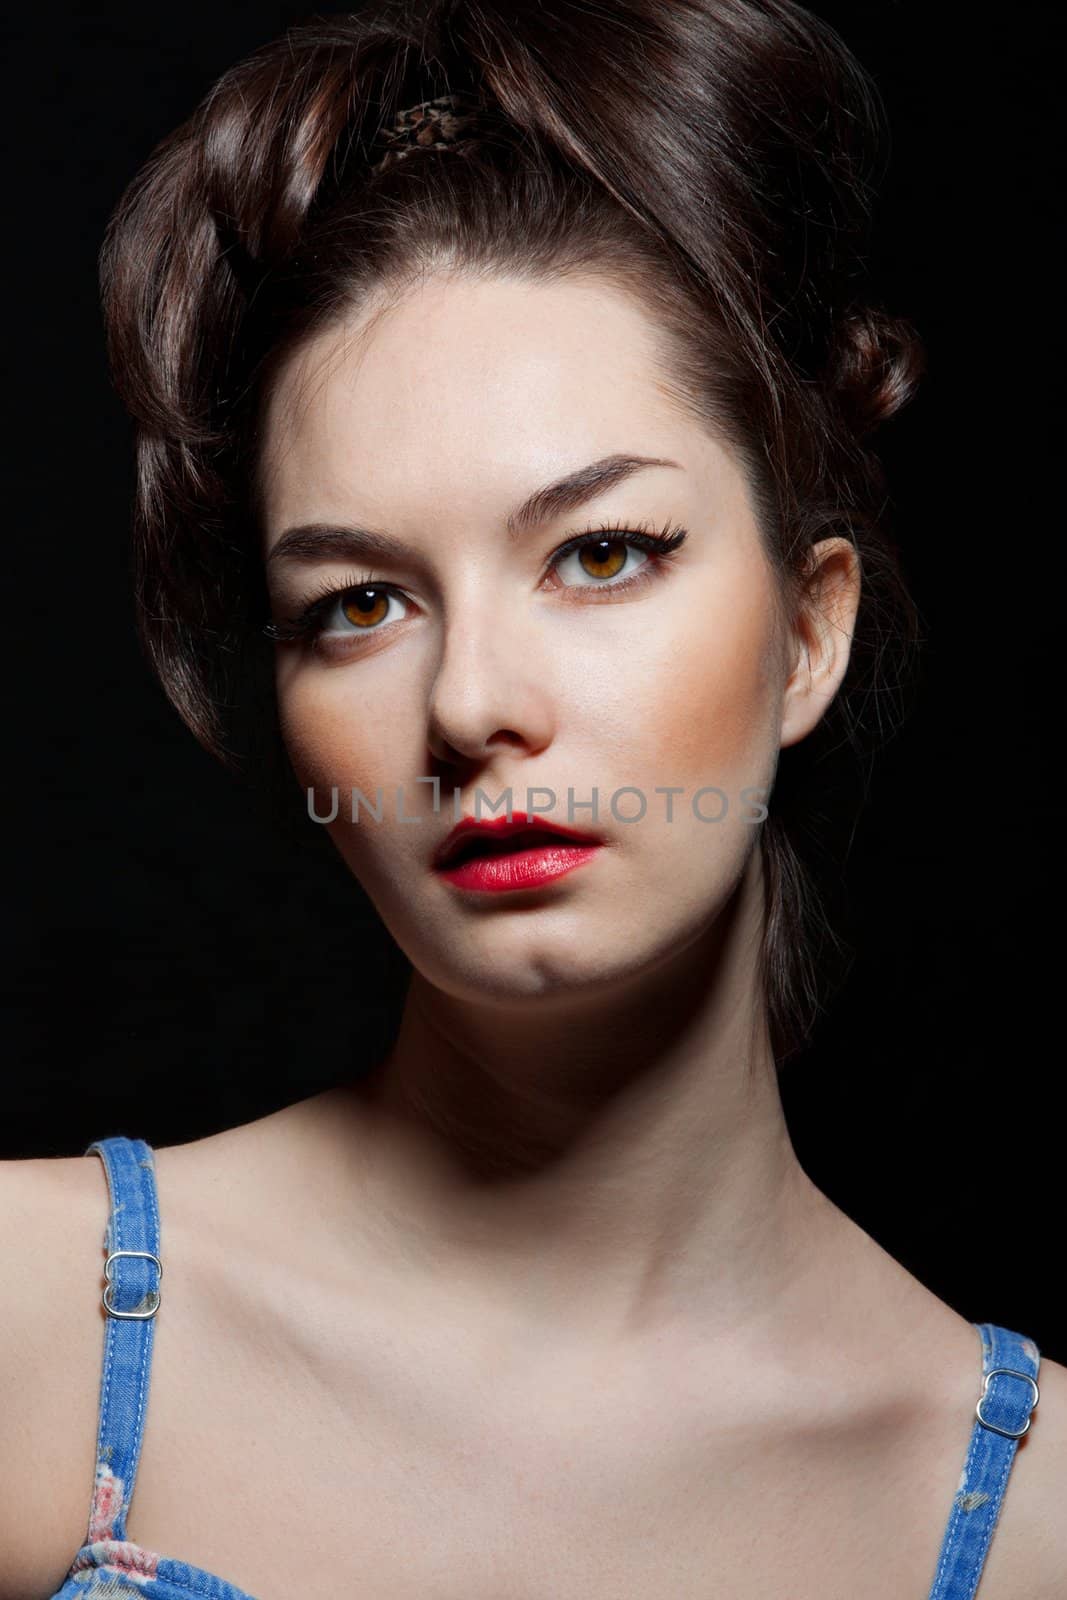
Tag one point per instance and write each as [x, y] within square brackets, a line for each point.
[504, 381]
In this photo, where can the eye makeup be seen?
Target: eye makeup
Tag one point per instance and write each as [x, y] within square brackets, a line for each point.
[357, 598]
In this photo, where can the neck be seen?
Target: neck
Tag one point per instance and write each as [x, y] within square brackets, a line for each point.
[614, 1163]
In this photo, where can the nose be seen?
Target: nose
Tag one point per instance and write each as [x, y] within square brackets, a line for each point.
[493, 688]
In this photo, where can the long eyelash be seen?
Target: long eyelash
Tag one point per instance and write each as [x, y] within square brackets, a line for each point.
[662, 543]
[309, 623]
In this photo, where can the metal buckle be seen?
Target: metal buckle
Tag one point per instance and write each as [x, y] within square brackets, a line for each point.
[137, 1316]
[1007, 1433]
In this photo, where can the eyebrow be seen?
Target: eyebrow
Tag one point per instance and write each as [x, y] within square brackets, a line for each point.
[317, 541]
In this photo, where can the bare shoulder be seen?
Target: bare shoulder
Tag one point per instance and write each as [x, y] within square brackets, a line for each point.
[1028, 1556]
[53, 1213]
[53, 1221]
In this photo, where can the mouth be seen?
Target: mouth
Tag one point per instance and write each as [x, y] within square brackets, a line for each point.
[474, 840]
[475, 846]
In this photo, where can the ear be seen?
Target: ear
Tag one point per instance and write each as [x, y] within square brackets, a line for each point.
[821, 639]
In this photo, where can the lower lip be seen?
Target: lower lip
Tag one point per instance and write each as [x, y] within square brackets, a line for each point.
[518, 869]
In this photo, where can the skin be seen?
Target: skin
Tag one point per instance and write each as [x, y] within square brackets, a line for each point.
[543, 1303]
[596, 1256]
[581, 1106]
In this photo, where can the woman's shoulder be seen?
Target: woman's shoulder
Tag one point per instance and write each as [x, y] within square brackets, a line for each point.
[933, 1367]
[53, 1213]
[1028, 1556]
[53, 1220]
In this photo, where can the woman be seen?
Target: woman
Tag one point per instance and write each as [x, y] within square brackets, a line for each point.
[510, 378]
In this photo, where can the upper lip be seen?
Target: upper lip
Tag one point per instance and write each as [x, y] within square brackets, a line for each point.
[495, 828]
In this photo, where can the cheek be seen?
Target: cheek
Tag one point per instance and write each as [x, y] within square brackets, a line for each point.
[332, 743]
[716, 712]
[312, 735]
[332, 739]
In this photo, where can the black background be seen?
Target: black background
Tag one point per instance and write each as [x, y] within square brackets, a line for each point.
[179, 966]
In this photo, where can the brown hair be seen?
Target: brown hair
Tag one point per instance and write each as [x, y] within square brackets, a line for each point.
[718, 157]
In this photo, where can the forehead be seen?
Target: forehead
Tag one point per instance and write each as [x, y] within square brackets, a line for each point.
[463, 388]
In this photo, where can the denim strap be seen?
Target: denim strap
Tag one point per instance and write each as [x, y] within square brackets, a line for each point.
[1006, 1402]
[130, 1299]
[1010, 1365]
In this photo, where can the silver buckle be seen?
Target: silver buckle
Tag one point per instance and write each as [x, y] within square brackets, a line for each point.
[1007, 1433]
[137, 1316]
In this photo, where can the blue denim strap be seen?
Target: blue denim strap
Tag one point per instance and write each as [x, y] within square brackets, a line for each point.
[1010, 1366]
[130, 1298]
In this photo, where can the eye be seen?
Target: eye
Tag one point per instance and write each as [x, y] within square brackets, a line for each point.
[595, 561]
[600, 559]
[362, 609]
[615, 558]
[355, 609]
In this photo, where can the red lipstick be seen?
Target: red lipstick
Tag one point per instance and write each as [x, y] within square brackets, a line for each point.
[496, 855]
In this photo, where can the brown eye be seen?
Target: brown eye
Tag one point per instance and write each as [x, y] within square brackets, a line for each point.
[365, 607]
[603, 559]
[596, 561]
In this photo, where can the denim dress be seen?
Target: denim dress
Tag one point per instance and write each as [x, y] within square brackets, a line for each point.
[110, 1567]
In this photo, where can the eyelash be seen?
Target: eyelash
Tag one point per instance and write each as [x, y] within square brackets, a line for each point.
[660, 544]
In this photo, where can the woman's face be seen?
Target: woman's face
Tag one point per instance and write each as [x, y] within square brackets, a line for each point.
[484, 659]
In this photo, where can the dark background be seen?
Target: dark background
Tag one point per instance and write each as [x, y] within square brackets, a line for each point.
[178, 966]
